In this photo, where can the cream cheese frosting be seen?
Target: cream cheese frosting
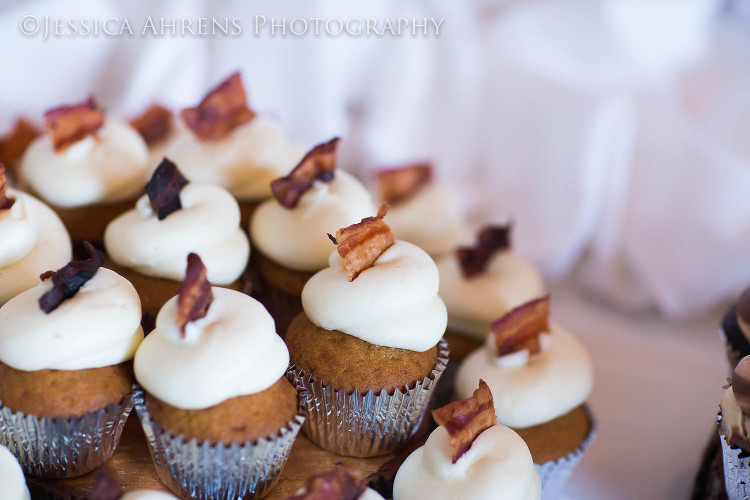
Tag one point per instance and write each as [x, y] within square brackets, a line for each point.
[105, 168]
[34, 240]
[498, 466]
[394, 303]
[244, 162]
[531, 390]
[232, 351]
[432, 219]
[12, 480]
[473, 303]
[99, 326]
[297, 237]
[148, 495]
[207, 224]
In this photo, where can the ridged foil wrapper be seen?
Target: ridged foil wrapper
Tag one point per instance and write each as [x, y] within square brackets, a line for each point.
[364, 425]
[736, 471]
[206, 471]
[64, 447]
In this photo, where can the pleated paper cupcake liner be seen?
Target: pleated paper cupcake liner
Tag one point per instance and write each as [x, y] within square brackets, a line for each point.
[364, 425]
[205, 471]
[736, 469]
[59, 447]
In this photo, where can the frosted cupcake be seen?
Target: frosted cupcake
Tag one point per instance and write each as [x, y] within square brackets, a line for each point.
[219, 415]
[337, 484]
[469, 456]
[149, 243]
[12, 480]
[422, 210]
[481, 283]
[224, 142]
[541, 376]
[366, 352]
[289, 231]
[33, 241]
[65, 376]
[13, 145]
[157, 128]
[87, 166]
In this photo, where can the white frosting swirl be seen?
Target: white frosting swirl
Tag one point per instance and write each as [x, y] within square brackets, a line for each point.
[432, 219]
[474, 303]
[550, 384]
[232, 351]
[297, 238]
[244, 162]
[34, 240]
[148, 495]
[498, 466]
[12, 480]
[105, 168]
[99, 326]
[394, 303]
[207, 224]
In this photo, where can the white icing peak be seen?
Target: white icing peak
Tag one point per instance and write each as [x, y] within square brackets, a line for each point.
[207, 224]
[498, 466]
[473, 303]
[12, 480]
[297, 237]
[232, 351]
[99, 326]
[105, 168]
[394, 303]
[244, 162]
[535, 389]
[148, 495]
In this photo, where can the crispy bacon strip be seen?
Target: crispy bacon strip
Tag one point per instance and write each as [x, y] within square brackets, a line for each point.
[154, 124]
[67, 280]
[521, 327]
[466, 419]
[338, 484]
[401, 183]
[222, 110]
[318, 164]
[69, 124]
[491, 239]
[195, 293]
[360, 244]
[5, 201]
[13, 145]
[164, 188]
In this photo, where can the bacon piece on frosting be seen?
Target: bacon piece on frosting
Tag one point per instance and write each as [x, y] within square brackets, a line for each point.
[360, 244]
[5, 201]
[222, 110]
[13, 145]
[105, 488]
[338, 484]
[195, 293]
[491, 239]
[466, 419]
[69, 124]
[154, 124]
[741, 384]
[67, 280]
[318, 164]
[398, 184]
[164, 188]
[521, 327]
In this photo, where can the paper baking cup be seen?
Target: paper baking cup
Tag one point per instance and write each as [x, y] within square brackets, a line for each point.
[555, 473]
[59, 447]
[736, 471]
[204, 471]
[364, 425]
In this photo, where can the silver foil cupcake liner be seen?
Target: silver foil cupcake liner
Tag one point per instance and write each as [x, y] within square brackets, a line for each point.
[364, 425]
[64, 447]
[736, 470]
[201, 470]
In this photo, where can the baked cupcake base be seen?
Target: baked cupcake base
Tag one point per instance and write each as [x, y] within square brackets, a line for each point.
[87, 223]
[461, 345]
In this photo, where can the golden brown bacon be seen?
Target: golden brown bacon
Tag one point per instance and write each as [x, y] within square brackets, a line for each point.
[491, 239]
[154, 124]
[222, 110]
[318, 164]
[5, 201]
[195, 293]
[398, 184]
[521, 327]
[69, 124]
[338, 484]
[67, 280]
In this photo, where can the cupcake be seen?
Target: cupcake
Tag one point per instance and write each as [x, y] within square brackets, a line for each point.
[157, 128]
[12, 480]
[366, 351]
[469, 456]
[735, 329]
[541, 376]
[106, 488]
[33, 241]
[481, 283]
[149, 243]
[224, 142]
[422, 210]
[338, 484]
[65, 371]
[87, 166]
[14, 144]
[219, 416]
[288, 232]
[734, 430]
